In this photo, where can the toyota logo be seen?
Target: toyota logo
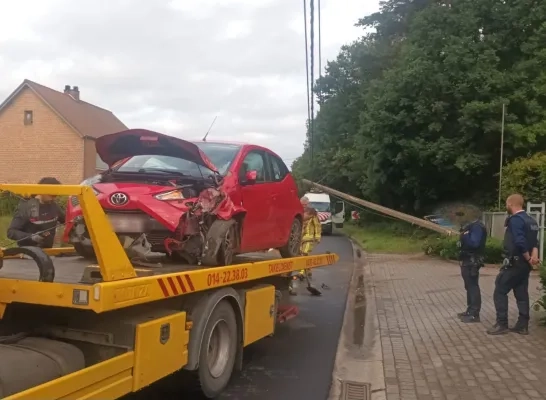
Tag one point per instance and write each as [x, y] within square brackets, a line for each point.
[119, 199]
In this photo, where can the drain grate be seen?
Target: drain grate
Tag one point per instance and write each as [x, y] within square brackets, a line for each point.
[355, 390]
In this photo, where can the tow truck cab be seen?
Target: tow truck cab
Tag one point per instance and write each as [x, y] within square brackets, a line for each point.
[324, 206]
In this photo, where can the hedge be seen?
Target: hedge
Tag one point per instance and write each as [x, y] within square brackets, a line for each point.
[526, 176]
[540, 303]
[446, 247]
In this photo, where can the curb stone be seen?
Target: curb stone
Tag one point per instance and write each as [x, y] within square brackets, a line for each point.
[359, 362]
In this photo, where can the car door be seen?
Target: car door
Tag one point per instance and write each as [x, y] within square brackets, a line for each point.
[256, 199]
[281, 197]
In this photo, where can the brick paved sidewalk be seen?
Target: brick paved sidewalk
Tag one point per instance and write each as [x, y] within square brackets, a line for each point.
[429, 354]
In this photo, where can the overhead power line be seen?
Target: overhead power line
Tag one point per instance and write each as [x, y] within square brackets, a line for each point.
[306, 60]
[319, 43]
[310, 67]
[312, 74]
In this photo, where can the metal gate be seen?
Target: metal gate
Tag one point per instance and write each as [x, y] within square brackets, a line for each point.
[537, 210]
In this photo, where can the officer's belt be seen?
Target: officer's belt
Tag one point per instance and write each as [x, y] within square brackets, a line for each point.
[509, 261]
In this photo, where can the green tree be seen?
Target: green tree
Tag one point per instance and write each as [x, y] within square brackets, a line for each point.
[411, 114]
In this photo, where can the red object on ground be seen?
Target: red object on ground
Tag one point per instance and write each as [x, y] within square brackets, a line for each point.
[286, 312]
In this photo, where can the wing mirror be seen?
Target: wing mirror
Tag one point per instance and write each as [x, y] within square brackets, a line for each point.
[339, 207]
[250, 177]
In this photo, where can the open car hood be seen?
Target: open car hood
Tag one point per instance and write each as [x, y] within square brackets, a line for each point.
[134, 142]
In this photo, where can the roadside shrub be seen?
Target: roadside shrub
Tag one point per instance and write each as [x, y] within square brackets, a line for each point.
[446, 247]
[540, 303]
[526, 176]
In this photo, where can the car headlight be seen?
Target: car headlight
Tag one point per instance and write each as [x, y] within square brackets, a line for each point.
[172, 195]
[91, 181]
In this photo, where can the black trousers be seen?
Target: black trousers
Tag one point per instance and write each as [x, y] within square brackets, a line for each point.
[514, 278]
[471, 279]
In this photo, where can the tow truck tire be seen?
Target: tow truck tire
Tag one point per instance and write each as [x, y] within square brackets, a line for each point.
[84, 251]
[292, 248]
[218, 351]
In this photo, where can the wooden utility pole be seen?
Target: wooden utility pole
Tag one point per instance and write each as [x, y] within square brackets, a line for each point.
[384, 210]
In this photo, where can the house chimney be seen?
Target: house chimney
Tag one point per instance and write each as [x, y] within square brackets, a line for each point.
[74, 91]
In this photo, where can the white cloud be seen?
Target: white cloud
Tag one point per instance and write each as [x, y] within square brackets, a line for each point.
[173, 65]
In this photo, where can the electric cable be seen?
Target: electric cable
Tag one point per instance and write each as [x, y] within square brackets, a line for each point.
[306, 60]
[312, 75]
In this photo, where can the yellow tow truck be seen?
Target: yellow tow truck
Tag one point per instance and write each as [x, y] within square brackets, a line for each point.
[70, 330]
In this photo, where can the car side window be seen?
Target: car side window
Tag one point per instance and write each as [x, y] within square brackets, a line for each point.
[278, 168]
[254, 161]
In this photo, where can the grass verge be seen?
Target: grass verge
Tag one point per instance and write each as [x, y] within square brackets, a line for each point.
[387, 237]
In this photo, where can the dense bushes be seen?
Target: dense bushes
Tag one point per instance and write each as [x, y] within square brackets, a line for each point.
[446, 247]
[526, 176]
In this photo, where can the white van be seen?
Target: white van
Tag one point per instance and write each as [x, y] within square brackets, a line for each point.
[323, 204]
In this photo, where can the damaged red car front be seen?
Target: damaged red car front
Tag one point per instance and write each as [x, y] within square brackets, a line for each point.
[163, 195]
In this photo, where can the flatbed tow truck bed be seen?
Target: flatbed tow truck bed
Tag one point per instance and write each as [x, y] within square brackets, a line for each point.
[71, 268]
[73, 329]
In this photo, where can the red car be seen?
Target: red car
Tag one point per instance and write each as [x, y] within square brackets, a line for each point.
[200, 202]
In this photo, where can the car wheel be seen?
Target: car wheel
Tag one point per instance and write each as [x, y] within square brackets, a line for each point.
[218, 351]
[226, 253]
[84, 251]
[292, 247]
[221, 242]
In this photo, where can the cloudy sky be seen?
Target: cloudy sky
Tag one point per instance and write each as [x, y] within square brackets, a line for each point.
[173, 65]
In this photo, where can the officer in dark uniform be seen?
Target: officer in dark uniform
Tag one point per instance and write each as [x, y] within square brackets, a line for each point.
[472, 247]
[36, 219]
[520, 252]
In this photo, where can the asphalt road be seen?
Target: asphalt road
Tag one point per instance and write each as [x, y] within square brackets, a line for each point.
[296, 363]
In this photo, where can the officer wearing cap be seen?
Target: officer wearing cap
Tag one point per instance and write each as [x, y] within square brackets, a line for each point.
[472, 247]
[520, 252]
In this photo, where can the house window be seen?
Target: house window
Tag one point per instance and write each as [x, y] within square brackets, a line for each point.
[28, 117]
[100, 165]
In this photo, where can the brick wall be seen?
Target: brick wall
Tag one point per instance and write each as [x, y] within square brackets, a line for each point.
[47, 147]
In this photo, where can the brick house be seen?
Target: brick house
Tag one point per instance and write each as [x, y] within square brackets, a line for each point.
[45, 132]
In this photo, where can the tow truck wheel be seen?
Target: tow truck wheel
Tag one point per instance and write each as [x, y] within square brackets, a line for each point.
[218, 351]
[84, 251]
[292, 248]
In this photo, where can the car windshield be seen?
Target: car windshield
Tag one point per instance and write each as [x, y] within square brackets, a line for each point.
[221, 155]
[320, 206]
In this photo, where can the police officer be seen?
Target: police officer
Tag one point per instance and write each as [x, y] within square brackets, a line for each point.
[472, 247]
[35, 220]
[520, 252]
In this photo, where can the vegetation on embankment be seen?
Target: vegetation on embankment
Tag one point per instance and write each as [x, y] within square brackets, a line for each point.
[386, 236]
[446, 247]
[401, 238]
